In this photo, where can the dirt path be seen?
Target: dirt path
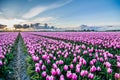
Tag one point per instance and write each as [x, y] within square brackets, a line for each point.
[18, 64]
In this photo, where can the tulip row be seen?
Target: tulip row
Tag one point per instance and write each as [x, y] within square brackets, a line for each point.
[105, 39]
[7, 40]
[58, 60]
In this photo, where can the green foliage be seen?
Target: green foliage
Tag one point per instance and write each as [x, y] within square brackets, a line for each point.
[31, 69]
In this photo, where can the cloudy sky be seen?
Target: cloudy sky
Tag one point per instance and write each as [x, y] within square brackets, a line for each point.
[60, 13]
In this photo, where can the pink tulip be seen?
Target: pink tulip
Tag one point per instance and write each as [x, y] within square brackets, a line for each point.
[54, 58]
[75, 60]
[101, 59]
[84, 62]
[37, 69]
[54, 66]
[117, 75]
[44, 74]
[40, 62]
[2, 56]
[84, 73]
[65, 67]
[50, 77]
[107, 64]
[37, 65]
[44, 57]
[85, 52]
[53, 72]
[1, 63]
[77, 70]
[74, 76]
[98, 69]
[90, 76]
[78, 66]
[48, 61]
[62, 77]
[35, 58]
[118, 64]
[71, 66]
[91, 63]
[58, 72]
[109, 70]
[57, 62]
[69, 74]
[61, 62]
[90, 54]
[43, 67]
[93, 69]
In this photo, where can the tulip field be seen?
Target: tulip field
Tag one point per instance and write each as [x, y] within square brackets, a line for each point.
[7, 40]
[65, 55]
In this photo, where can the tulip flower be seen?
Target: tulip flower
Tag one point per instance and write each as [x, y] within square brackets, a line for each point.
[69, 74]
[54, 66]
[91, 76]
[71, 66]
[109, 70]
[118, 64]
[53, 72]
[35, 58]
[98, 68]
[77, 70]
[62, 77]
[61, 62]
[2, 56]
[37, 69]
[50, 77]
[107, 64]
[44, 74]
[40, 62]
[65, 67]
[44, 57]
[58, 72]
[1, 63]
[74, 76]
[84, 73]
[117, 75]
[93, 69]
[37, 65]
[43, 67]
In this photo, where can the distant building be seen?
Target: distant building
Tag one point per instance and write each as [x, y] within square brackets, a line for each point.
[35, 27]
[2, 26]
[89, 28]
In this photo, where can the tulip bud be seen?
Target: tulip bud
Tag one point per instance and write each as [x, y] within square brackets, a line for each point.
[118, 64]
[53, 72]
[69, 74]
[44, 74]
[90, 76]
[109, 70]
[74, 76]
[117, 75]
[65, 67]
[98, 69]
[37, 69]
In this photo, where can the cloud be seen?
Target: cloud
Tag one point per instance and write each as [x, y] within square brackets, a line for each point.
[44, 19]
[33, 12]
[38, 20]
[11, 22]
[0, 12]
[40, 9]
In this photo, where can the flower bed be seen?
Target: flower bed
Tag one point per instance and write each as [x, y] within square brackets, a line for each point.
[59, 60]
[7, 41]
